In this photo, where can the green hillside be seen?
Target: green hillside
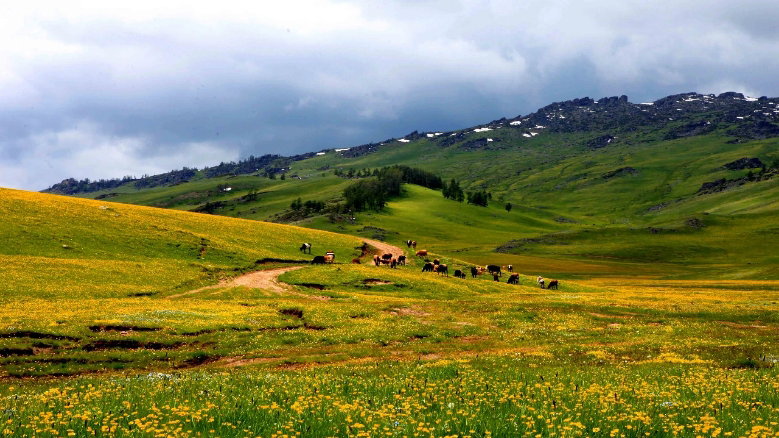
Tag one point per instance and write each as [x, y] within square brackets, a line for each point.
[110, 296]
[565, 209]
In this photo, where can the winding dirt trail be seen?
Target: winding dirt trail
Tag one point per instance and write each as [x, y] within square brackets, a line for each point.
[269, 279]
[385, 248]
[266, 280]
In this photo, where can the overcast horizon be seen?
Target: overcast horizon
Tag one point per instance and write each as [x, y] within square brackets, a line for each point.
[98, 90]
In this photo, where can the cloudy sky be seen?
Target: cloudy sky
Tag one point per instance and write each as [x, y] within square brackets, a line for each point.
[101, 90]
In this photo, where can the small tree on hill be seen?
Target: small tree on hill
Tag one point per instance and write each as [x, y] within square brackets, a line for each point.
[508, 206]
[297, 204]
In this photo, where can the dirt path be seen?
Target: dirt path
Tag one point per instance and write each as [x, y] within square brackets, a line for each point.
[269, 279]
[266, 280]
[385, 248]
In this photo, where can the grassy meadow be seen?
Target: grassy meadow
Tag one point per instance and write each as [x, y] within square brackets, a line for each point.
[106, 328]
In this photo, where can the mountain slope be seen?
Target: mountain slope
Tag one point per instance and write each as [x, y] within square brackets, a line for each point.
[119, 250]
[572, 167]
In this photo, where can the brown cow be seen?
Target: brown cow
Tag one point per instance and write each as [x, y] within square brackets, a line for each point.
[436, 262]
[414, 244]
[552, 284]
[329, 258]
[394, 263]
[402, 260]
[443, 270]
[422, 253]
[376, 260]
[513, 279]
[355, 261]
[386, 256]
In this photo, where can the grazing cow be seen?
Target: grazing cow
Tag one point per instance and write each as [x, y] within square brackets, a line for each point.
[495, 277]
[422, 253]
[306, 247]
[318, 260]
[394, 263]
[386, 256]
[428, 267]
[474, 272]
[385, 261]
[510, 268]
[408, 243]
[552, 284]
[402, 260]
[494, 269]
[459, 274]
[513, 279]
[540, 281]
[376, 260]
[414, 244]
[330, 257]
[482, 270]
[443, 270]
[436, 262]
[355, 261]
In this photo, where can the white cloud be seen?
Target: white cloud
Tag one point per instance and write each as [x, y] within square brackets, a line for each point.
[84, 151]
[148, 81]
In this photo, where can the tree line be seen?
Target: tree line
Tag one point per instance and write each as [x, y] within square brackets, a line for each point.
[373, 193]
[409, 174]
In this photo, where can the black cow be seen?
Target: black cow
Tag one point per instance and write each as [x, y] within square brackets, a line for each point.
[318, 260]
[474, 272]
[408, 243]
[495, 277]
[402, 260]
[428, 267]
[513, 279]
[552, 284]
[510, 268]
[493, 269]
[443, 270]
[459, 274]
[306, 247]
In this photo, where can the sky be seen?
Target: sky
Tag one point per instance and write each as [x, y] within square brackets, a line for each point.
[97, 89]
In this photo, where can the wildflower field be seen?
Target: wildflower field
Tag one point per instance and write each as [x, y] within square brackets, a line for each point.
[107, 329]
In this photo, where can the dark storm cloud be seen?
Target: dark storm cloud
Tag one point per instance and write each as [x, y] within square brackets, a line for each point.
[103, 91]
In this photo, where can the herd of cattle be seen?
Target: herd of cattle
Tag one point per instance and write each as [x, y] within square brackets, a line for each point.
[434, 266]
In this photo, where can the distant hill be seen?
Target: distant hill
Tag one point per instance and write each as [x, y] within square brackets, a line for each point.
[582, 125]
[687, 162]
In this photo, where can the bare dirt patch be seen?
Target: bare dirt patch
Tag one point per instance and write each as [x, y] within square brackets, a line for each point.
[240, 362]
[413, 311]
[266, 280]
[376, 281]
